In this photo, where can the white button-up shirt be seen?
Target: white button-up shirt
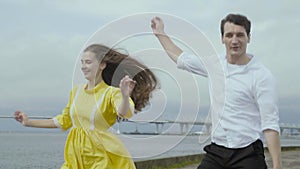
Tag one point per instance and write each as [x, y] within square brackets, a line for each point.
[250, 105]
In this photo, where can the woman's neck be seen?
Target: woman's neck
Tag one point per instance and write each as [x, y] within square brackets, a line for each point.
[90, 85]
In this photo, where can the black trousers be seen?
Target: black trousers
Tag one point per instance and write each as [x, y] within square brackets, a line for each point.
[219, 157]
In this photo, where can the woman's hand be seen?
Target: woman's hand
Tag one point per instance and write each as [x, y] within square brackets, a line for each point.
[21, 117]
[127, 85]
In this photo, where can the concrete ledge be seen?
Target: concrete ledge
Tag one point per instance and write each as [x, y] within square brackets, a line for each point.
[180, 161]
[169, 162]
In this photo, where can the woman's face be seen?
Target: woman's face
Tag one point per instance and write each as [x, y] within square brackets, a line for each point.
[89, 65]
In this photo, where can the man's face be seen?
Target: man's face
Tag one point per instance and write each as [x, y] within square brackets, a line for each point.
[235, 39]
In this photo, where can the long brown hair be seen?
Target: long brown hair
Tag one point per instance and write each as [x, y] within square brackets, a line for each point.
[118, 65]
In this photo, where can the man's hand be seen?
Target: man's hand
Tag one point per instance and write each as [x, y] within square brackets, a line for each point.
[157, 26]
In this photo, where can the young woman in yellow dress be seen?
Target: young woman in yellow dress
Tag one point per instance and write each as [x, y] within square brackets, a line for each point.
[117, 85]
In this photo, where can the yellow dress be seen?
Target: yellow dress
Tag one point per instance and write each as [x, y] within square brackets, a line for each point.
[89, 145]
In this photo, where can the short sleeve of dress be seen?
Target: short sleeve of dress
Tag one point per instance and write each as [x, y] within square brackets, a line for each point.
[64, 120]
[116, 99]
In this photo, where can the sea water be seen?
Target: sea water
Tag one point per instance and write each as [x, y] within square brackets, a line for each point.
[45, 150]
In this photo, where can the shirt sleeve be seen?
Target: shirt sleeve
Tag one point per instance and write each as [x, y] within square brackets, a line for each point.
[267, 99]
[64, 120]
[191, 63]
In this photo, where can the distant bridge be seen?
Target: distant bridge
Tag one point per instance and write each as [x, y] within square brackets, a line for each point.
[293, 129]
[185, 126]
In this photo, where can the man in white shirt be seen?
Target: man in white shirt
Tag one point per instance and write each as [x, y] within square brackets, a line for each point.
[250, 107]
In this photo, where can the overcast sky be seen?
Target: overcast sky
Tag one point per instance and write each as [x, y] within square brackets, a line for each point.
[41, 41]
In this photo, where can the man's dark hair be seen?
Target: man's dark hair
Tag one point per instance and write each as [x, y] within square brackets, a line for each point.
[238, 20]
